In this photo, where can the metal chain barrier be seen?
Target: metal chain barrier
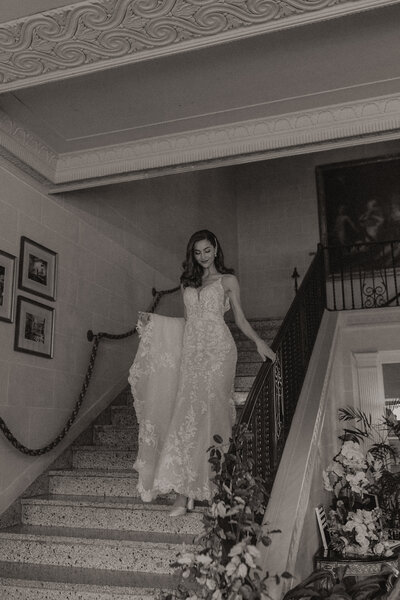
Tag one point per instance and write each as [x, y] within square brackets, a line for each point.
[96, 339]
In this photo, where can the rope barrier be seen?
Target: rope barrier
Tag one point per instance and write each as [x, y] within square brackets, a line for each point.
[96, 339]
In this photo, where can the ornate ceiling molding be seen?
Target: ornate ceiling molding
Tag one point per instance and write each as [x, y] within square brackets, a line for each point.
[99, 34]
[293, 133]
[301, 132]
[27, 147]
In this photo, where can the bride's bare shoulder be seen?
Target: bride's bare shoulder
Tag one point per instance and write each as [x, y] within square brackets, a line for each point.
[229, 282]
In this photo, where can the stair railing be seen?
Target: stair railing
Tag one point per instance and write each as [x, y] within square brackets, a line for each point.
[272, 400]
[363, 275]
[96, 339]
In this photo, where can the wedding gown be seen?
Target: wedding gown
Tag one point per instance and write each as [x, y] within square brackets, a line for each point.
[182, 384]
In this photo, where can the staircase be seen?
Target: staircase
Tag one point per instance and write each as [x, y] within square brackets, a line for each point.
[90, 537]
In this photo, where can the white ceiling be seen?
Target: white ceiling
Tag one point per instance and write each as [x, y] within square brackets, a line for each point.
[291, 71]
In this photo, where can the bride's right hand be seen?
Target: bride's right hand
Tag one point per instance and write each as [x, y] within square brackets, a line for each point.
[265, 351]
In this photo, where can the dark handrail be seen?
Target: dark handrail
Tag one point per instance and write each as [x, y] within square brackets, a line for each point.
[272, 400]
[96, 339]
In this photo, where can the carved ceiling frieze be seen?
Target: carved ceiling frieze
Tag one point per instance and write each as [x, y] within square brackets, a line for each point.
[90, 36]
[286, 134]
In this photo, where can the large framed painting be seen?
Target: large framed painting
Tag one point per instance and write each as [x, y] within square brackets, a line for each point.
[34, 329]
[37, 269]
[359, 210]
[7, 285]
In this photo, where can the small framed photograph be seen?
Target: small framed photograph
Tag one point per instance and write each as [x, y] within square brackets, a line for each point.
[8, 264]
[34, 330]
[37, 269]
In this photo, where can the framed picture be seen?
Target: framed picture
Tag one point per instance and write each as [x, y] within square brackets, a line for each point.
[8, 264]
[37, 269]
[34, 330]
[359, 206]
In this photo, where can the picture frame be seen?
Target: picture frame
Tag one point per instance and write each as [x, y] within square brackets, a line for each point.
[37, 269]
[34, 329]
[8, 265]
[359, 210]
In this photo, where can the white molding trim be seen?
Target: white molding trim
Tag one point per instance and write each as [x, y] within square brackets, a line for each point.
[301, 132]
[99, 34]
[27, 147]
[288, 504]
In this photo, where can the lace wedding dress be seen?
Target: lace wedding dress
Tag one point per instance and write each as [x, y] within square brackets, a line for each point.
[182, 383]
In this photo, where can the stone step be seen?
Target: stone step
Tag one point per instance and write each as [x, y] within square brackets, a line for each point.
[247, 345]
[266, 328]
[93, 482]
[239, 398]
[110, 435]
[90, 548]
[243, 384]
[24, 581]
[245, 369]
[248, 355]
[123, 416]
[103, 457]
[122, 514]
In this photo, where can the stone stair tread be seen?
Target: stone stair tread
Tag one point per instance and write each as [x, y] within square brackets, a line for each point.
[99, 579]
[76, 535]
[104, 502]
[114, 449]
[111, 427]
[94, 472]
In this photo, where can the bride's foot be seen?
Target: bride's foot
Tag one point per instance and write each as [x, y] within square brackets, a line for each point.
[181, 505]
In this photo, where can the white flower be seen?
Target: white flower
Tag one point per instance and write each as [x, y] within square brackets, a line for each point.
[210, 583]
[327, 482]
[352, 452]
[203, 559]
[217, 595]
[219, 509]
[379, 548]
[186, 559]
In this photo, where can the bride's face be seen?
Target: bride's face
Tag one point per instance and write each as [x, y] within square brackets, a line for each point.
[204, 253]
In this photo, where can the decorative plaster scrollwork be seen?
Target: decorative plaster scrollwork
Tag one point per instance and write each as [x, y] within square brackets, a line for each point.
[94, 35]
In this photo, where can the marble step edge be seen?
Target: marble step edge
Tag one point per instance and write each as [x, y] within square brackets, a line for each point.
[123, 473]
[130, 504]
[106, 427]
[16, 589]
[105, 449]
[50, 575]
[112, 538]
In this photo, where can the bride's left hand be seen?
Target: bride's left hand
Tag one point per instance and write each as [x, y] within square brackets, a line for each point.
[265, 351]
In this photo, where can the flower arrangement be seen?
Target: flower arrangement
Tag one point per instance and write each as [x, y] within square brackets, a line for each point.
[358, 477]
[224, 566]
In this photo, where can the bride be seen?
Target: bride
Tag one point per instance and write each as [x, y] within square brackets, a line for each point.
[183, 375]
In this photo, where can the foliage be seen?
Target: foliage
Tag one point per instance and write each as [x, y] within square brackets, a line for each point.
[387, 486]
[357, 476]
[325, 585]
[224, 565]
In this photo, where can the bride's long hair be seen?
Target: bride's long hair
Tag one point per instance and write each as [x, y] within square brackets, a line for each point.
[192, 271]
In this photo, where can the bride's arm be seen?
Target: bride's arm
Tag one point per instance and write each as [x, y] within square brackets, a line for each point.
[231, 287]
[183, 302]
